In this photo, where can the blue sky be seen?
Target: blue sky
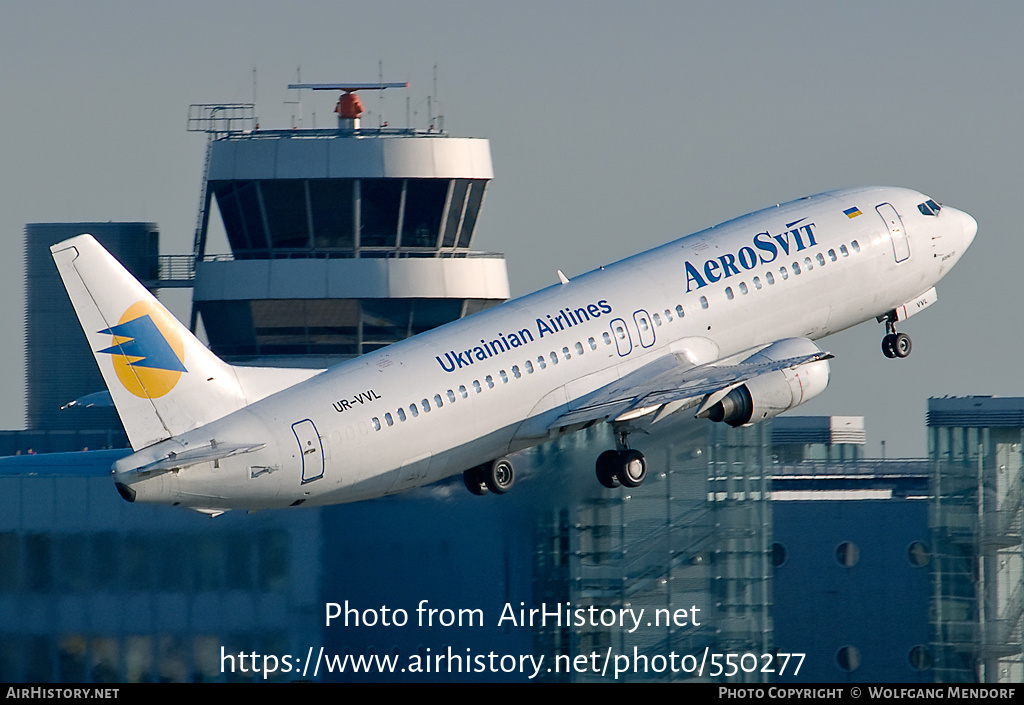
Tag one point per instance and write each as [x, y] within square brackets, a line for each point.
[614, 127]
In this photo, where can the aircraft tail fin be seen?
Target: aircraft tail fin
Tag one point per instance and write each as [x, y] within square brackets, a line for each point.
[163, 381]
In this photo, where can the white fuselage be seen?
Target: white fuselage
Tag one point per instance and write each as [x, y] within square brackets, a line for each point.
[475, 389]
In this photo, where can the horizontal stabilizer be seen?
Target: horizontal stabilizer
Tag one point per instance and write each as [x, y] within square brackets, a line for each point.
[193, 456]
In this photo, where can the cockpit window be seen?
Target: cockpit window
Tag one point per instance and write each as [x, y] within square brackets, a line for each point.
[929, 207]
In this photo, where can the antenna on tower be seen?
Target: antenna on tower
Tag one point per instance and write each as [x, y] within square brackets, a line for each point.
[297, 101]
[349, 107]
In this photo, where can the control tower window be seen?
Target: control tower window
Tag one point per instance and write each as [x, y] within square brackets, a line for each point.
[431, 313]
[379, 201]
[424, 204]
[475, 200]
[239, 205]
[284, 202]
[330, 202]
[386, 320]
[456, 207]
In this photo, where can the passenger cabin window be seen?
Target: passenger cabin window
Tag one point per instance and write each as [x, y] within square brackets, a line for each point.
[703, 302]
[679, 310]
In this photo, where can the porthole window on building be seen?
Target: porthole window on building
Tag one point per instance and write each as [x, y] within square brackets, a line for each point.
[848, 554]
[918, 554]
[920, 658]
[779, 554]
[848, 658]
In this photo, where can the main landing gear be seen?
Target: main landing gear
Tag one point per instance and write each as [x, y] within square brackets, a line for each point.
[498, 476]
[894, 344]
[624, 466]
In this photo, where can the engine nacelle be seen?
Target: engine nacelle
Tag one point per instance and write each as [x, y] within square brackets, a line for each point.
[770, 394]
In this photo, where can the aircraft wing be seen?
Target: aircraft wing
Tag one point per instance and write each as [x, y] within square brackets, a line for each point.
[672, 382]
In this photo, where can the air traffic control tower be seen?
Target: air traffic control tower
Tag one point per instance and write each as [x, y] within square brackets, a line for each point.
[343, 240]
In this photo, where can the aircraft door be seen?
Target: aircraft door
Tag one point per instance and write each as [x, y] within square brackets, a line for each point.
[311, 449]
[645, 327]
[623, 341]
[897, 233]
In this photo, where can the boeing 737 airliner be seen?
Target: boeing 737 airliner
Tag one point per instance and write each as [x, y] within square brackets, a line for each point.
[721, 321]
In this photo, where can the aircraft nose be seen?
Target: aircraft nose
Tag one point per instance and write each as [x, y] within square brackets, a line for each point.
[970, 227]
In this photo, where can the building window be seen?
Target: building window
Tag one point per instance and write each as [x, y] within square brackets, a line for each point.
[848, 554]
[920, 658]
[918, 554]
[848, 658]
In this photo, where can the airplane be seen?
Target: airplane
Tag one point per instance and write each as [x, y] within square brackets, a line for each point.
[722, 321]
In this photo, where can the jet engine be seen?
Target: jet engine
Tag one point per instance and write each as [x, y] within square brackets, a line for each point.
[771, 393]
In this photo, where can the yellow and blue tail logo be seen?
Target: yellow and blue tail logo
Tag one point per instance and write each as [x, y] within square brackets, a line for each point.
[148, 352]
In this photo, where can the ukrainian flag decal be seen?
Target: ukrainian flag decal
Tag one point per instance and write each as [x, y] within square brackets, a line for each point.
[148, 351]
[852, 212]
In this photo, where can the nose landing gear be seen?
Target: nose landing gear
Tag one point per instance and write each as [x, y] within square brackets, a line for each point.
[894, 344]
